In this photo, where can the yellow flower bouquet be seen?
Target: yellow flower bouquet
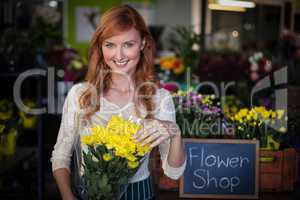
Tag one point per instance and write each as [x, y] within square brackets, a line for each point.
[111, 159]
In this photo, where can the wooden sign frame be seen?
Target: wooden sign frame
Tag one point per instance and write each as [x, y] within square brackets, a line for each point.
[225, 196]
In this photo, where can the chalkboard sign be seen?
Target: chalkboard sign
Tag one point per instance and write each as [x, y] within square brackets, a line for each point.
[221, 169]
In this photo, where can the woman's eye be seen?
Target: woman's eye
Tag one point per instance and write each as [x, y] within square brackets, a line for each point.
[109, 45]
[128, 45]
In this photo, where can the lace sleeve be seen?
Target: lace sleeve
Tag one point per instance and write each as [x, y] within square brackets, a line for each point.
[166, 112]
[63, 149]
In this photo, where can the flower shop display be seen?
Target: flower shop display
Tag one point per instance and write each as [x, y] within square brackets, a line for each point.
[25, 43]
[75, 65]
[187, 45]
[260, 66]
[197, 115]
[261, 123]
[111, 158]
[278, 161]
[232, 105]
[13, 122]
[181, 56]
[10, 123]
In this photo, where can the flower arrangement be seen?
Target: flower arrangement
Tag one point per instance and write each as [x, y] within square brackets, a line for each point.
[170, 68]
[29, 121]
[186, 44]
[173, 64]
[197, 115]
[260, 66]
[261, 123]
[182, 55]
[10, 123]
[75, 65]
[112, 157]
[232, 105]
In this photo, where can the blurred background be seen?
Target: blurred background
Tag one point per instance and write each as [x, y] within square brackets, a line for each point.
[43, 52]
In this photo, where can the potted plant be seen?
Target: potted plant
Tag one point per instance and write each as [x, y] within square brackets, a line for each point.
[278, 162]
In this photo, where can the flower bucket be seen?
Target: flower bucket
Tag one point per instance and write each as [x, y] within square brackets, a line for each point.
[278, 170]
[8, 143]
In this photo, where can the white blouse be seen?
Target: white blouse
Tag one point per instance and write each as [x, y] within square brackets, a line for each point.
[71, 127]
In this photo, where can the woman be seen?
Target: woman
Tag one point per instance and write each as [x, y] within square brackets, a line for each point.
[120, 81]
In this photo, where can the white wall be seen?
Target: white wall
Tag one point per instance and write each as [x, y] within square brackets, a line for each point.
[171, 13]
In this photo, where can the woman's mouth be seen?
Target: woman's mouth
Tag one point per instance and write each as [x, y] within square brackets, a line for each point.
[121, 63]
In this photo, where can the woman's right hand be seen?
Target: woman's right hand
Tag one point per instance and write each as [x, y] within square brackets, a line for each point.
[69, 197]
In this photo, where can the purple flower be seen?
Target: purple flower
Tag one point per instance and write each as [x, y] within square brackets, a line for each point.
[199, 98]
[215, 109]
[204, 107]
[187, 104]
[192, 94]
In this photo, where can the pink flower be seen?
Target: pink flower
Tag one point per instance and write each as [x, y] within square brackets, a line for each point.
[268, 66]
[172, 87]
[254, 76]
[254, 67]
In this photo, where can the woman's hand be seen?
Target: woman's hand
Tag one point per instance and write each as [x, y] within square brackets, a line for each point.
[156, 131]
[69, 197]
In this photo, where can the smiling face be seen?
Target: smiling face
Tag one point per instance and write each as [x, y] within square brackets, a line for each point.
[122, 52]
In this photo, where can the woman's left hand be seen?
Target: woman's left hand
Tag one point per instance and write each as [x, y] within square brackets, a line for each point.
[156, 131]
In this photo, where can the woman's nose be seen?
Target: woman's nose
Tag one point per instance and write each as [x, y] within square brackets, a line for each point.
[119, 55]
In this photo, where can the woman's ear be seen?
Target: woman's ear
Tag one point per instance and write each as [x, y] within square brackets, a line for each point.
[143, 44]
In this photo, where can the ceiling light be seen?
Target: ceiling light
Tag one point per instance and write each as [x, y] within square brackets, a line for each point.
[214, 6]
[243, 4]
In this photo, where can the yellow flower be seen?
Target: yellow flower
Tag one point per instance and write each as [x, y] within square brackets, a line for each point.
[106, 157]
[2, 127]
[179, 69]
[234, 109]
[117, 136]
[279, 113]
[243, 112]
[167, 63]
[248, 117]
[87, 139]
[240, 128]
[272, 144]
[132, 165]
[131, 158]
[6, 115]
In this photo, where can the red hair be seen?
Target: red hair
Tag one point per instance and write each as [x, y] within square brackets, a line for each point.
[114, 21]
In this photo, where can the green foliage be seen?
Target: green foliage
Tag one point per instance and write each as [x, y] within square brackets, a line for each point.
[186, 44]
[9, 118]
[104, 178]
